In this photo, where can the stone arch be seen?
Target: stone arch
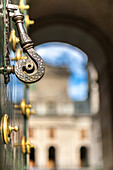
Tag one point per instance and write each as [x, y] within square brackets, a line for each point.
[90, 39]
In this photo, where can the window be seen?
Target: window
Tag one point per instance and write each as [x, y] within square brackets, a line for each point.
[83, 134]
[84, 156]
[51, 108]
[30, 132]
[51, 157]
[51, 133]
[32, 157]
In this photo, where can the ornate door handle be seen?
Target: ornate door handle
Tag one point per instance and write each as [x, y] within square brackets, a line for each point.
[32, 69]
[27, 70]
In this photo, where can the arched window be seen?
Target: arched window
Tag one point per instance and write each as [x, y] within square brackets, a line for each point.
[32, 157]
[84, 156]
[51, 157]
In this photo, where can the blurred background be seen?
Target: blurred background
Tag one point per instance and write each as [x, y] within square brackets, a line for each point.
[72, 127]
[65, 100]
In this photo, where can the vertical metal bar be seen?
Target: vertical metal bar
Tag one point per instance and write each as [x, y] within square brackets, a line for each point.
[25, 95]
[25, 129]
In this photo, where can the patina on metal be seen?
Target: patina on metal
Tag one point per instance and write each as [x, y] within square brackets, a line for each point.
[31, 69]
[28, 70]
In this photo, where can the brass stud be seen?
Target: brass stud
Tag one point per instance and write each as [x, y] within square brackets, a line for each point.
[18, 56]
[28, 21]
[25, 145]
[22, 6]
[29, 112]
[25, 108]
[13, 39]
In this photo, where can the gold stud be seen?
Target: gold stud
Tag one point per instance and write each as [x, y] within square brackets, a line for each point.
[13, 39]
[22, 6]
[18, 56]
[28, 21]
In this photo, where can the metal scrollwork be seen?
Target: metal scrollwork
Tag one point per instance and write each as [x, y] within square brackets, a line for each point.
[28, 70]
[32, 69]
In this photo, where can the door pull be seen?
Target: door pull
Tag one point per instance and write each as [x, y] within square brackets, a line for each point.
[28, 70]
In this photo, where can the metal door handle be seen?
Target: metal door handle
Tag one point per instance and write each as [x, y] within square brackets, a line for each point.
[27, 70]
[32, 69]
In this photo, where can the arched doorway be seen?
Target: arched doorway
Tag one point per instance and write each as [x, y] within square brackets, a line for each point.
[32, 157]
[96, 45]
[51, 157]
[83, 156]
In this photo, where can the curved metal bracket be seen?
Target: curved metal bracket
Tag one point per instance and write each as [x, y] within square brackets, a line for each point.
[32, 69]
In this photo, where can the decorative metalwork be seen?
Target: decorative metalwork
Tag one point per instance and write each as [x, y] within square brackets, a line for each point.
[27, 70]
[29, 112]
[31, 70]
[18, 56]
[25, 108]
[22, 6]
[13, 40]
[25, 145]
[28, 21]
[6, 129]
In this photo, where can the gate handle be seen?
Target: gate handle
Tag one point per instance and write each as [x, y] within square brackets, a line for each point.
[27, 70]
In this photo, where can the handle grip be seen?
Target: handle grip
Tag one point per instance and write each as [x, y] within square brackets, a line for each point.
[32, 69]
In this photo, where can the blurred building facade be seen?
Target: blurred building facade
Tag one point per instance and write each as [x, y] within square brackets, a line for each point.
[87, 25]
[66, 133]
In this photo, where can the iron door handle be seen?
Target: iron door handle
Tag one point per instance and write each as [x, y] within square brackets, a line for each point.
[32, 69]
